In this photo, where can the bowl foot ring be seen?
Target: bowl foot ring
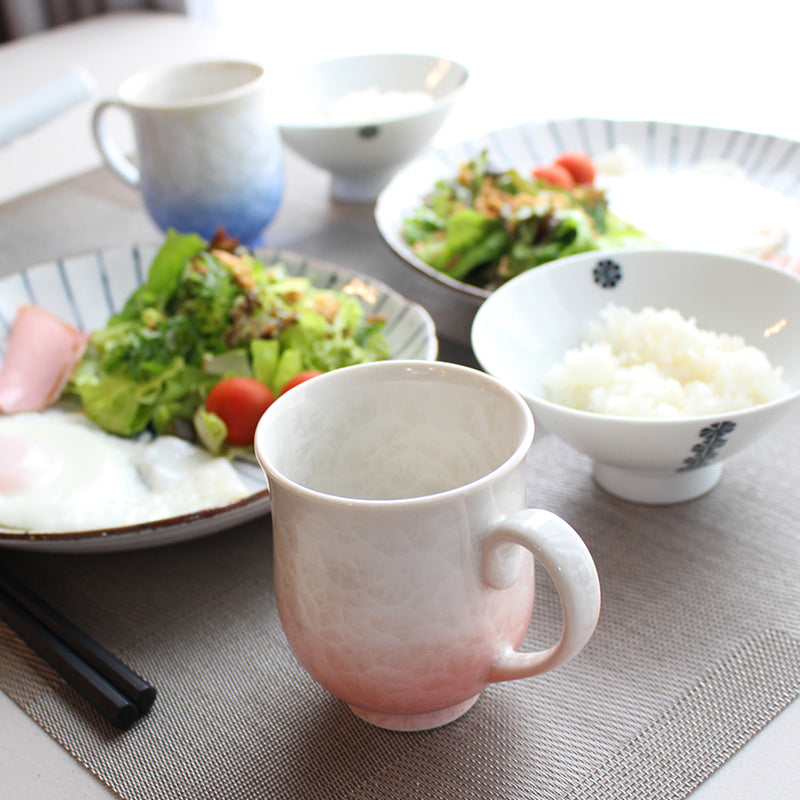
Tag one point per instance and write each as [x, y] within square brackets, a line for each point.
[657, 487]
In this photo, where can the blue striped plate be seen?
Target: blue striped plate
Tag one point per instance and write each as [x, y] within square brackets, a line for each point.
[767, 160]
[85, 290]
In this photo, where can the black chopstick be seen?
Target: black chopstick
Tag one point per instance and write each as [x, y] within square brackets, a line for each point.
[117, 692]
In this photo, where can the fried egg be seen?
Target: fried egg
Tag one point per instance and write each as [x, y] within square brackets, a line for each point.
[59, 472]
[710, 206]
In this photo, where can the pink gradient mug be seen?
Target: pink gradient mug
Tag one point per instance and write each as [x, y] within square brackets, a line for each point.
[404, 551]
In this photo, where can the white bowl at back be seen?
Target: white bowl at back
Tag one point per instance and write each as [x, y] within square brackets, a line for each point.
[528, 325]
[362, 156]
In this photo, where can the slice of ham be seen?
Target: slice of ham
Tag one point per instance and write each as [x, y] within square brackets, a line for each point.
[42, 353]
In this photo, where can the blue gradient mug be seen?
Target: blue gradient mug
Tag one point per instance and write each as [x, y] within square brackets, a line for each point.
[207, 153]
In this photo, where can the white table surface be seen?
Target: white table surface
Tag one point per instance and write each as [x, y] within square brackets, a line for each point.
[701, 62]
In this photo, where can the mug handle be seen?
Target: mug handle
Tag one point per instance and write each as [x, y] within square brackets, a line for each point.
[109, 150]
[567, 560]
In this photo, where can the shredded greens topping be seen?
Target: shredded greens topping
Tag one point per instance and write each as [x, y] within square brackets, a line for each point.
[485, 226]
[209, 311]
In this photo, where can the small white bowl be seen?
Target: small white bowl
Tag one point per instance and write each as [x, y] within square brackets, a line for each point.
[527, 326]
[362, 155]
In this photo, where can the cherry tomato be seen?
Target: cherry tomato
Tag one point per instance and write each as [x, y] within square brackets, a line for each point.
[555, 174]
[579, 165]
[299, 378]
[239, 402]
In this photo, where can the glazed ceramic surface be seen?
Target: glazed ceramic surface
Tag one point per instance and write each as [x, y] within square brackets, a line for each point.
[85, 290]
[528, 325]
[208, 152]
[362, 157]
[403, 549]
[661, 148]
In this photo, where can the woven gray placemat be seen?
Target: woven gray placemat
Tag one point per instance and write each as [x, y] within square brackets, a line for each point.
[700, 608]
[672, 756]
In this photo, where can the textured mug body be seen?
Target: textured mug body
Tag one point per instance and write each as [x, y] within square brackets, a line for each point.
[208, 155]
[403, 548]
[386, 606]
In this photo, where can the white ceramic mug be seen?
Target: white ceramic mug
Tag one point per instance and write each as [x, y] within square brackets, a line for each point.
[208, 154]
[404, 567]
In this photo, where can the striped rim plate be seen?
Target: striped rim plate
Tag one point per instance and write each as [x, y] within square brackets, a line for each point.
[768, 160]
[85, 290]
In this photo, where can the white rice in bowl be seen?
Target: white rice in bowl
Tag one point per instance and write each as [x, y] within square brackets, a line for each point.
[657, 364]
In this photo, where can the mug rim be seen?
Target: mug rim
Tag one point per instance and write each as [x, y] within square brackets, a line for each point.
[126, 93]
[399, 365]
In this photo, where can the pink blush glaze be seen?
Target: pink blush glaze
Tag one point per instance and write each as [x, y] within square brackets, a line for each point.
[401, 661]
[403, 544]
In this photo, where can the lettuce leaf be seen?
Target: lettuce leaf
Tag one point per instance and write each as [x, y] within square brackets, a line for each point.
[204, 314]
[485, 225]
[164, 274]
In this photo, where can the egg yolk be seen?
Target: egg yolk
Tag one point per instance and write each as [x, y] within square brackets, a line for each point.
[24, 464]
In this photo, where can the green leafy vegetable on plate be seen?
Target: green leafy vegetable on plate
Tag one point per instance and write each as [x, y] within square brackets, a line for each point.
[206, 312]
[484, 226]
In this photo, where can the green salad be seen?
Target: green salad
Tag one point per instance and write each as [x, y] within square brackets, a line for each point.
[484, 226]
[206, 312]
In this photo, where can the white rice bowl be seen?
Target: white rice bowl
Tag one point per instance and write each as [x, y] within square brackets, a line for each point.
[526, 328]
